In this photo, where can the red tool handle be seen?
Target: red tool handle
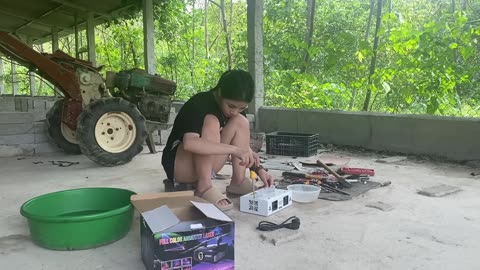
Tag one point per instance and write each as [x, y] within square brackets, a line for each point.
[357, 171]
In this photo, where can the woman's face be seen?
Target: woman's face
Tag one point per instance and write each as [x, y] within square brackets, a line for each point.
[232, 108]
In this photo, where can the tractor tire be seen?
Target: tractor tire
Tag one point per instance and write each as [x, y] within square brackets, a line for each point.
[61, 135]
[111, 131]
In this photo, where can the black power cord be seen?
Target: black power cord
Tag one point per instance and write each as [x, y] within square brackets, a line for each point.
[294, 224]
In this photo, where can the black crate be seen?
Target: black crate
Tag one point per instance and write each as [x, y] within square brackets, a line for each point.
[292, 144]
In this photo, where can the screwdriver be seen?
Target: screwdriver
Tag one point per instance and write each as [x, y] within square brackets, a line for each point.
[253, 177]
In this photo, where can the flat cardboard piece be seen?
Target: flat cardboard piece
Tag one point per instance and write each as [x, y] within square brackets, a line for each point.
[164, 210]
[354, 191]
[149, 201]
[211, 211]
[160, 219]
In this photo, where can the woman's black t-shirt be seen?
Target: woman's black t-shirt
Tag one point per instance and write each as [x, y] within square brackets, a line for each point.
[190, 119]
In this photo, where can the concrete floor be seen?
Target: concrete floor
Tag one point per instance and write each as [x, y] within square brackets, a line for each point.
[419, 233]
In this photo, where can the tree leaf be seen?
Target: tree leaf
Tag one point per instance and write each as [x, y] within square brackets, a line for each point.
[386, 87]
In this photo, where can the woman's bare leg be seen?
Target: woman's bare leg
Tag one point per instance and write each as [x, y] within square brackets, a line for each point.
[194, 168]
[237, 133]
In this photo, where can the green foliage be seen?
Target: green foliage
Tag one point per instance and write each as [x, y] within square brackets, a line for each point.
[430, 66]
[306, 91]
[427, 61]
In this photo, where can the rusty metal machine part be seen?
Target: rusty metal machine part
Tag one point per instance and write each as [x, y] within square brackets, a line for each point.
[92, 85]
[62, 76]
[79, 81]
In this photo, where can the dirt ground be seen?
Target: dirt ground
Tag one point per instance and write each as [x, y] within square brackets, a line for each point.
[418, 233]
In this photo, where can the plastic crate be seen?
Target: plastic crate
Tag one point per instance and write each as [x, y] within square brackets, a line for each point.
[292, 144]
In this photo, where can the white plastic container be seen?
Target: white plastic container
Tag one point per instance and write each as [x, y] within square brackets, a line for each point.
[304, 193]
[266, 201]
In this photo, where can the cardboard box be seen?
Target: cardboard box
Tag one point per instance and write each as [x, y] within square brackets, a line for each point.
[182, 232]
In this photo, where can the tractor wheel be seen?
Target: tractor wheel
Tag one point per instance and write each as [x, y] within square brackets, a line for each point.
[111, 131]
[61, 134]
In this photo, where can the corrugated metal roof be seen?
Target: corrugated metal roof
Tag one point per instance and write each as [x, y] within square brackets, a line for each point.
[34, 19]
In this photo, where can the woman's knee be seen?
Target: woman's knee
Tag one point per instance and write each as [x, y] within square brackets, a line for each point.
[239, 121]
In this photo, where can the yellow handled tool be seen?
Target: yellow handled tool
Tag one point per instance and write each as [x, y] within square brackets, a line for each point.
[253, 177]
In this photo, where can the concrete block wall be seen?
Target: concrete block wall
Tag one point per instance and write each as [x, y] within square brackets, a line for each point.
[21, 134]
[7, 104]
[450, 137]
[26, 104]
[23, 131]
[23, 127]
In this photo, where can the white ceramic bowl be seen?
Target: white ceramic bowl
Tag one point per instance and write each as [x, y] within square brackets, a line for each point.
[304, 193]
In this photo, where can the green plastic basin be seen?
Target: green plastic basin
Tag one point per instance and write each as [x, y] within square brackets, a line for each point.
[79, 218]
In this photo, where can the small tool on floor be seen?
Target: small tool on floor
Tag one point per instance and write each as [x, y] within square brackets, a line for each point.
[358, 179]
[386, 183]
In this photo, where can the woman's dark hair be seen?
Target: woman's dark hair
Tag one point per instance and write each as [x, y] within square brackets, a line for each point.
[236, 85]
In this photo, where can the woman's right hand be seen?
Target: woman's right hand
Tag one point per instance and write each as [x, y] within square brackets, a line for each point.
[245, 156]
